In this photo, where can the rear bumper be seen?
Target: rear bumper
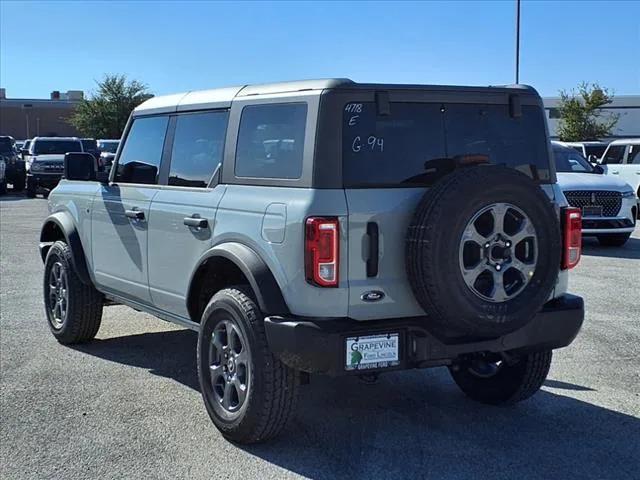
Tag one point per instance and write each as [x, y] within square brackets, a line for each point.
[319, 345]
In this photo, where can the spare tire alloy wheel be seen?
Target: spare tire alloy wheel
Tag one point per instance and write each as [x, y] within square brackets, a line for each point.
[498, 252]
[58, 295]
[483, 252]
[230, 368]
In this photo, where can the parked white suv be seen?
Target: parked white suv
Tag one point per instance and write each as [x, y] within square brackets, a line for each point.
[622, 158]
[608, 203]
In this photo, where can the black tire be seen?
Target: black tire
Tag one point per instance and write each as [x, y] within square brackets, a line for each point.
[614, 239]
[433, 245]
[31, 190]
[272, 388]
[18, 183]
[510, 384]
[3, 187]
[84, 303]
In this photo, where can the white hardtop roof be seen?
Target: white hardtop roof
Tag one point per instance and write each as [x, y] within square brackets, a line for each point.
[76, 139]
[222, 97]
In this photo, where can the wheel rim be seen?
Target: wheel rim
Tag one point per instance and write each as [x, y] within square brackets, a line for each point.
[229, 367]
[58, 295]
[498, 252]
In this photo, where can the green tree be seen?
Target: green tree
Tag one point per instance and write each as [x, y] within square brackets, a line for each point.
[105, 114]
[581, 117]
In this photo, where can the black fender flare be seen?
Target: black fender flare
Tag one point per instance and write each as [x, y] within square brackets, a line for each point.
[262, 282]
[65, 224]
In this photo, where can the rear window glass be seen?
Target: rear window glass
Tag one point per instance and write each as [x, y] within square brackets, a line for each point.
[271, 141]
[415, 144]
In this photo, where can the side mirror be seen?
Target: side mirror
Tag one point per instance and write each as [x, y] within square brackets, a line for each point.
[592, 159]
[80, 166]
[598, 169]
[24, 151]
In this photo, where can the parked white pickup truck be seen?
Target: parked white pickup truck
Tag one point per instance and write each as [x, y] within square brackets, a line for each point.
[622, 158]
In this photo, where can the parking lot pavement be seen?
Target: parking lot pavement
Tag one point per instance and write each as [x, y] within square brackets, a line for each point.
[127, 405]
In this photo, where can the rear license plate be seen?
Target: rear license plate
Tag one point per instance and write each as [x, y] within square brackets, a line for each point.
[372, 351]
[592, 211]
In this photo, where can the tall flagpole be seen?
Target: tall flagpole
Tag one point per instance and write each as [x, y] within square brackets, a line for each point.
[517, 41]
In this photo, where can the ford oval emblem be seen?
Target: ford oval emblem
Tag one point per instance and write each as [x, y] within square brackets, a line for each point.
[372, 296]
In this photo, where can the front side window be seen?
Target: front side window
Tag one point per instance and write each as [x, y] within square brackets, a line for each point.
[56, 147]
[614, 154]
[197, 150]
[139, 161]
[109, 147]
[271, 141]
[89, 144]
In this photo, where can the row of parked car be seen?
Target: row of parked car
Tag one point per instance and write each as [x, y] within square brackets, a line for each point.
[37, 164]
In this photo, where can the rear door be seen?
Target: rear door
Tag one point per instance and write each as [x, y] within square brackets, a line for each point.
[183, 213]
[392, 154]
[121, 212]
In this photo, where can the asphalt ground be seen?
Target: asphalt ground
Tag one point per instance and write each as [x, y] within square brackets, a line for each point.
[127, 405]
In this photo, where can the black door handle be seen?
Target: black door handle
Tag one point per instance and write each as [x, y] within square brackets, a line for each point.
[196, 222]
[135, 214]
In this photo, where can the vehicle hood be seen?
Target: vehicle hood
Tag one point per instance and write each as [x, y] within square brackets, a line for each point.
[591, 181]
[49, 158]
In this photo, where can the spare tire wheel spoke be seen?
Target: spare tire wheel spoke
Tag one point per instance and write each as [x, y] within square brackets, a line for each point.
[498, 294]
[499, 211]
[526, 231]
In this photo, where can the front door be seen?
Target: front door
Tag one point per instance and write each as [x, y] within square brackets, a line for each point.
[183, 213]
[120, 216]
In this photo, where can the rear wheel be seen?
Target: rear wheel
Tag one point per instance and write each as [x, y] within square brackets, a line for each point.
[614, 239]
[249, 394]
[74, 309]
[3, 187]
[497, 382]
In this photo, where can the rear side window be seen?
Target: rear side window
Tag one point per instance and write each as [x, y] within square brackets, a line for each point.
[634, 154]
[614, 154]
[197, 148]
[415, 144]
[271, 141]
[139, 161]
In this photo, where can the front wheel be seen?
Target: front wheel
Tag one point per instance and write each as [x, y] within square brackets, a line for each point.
[18, 183]
[74, 309]
[614, 239]
[249, 394]
[31, 190]
[498, 382]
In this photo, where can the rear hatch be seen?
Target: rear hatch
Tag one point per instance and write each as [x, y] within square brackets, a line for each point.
[394, 145]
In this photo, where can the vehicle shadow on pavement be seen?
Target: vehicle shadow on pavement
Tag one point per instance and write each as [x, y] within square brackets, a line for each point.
[416, 424]
[631, 249]
[170, 354]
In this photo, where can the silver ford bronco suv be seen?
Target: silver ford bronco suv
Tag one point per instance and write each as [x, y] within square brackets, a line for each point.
[328, 227]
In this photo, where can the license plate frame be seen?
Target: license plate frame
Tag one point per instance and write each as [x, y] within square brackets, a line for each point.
[592, 211]
[376, 351]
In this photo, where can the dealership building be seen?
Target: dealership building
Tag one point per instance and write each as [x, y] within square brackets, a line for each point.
[29, 117]
[627, 107]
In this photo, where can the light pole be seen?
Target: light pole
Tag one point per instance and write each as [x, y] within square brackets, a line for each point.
[517, 41]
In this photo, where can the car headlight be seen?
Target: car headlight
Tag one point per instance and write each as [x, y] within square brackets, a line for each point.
[36, 167]
[628, 194]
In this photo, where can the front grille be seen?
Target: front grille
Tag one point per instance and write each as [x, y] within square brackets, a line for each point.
[608, 200]
[53, 167]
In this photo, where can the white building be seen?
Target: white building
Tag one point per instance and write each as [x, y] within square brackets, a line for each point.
[626, 106]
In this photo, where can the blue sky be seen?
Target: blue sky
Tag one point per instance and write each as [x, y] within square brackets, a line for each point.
[182, 46]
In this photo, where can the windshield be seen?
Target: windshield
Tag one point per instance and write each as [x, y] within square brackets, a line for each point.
[52, 147]
[597, 150]
[109, 147]
[415, 144]
[89, 144]
[568, 160]
[6, 145]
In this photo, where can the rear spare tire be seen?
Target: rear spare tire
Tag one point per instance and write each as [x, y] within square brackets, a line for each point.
[483, 252]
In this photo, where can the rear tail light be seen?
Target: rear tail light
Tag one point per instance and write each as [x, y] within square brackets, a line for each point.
[321, 250]
[572, 237]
